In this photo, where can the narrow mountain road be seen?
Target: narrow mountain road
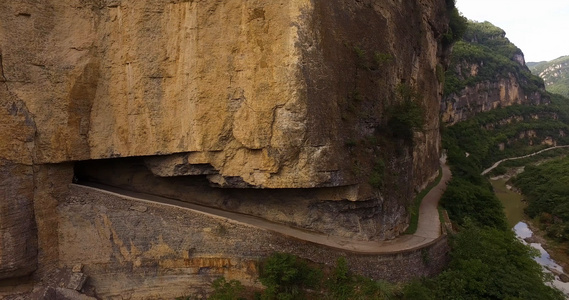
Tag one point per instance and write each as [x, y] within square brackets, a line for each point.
[519, 157]
[429, 228]
[429, 222]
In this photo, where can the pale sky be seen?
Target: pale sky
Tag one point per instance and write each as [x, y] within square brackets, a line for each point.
[539, 27]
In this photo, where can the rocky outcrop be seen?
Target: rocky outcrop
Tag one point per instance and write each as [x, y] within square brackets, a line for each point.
[263, 102]
[555, 70]
[487, 95]
[289, 94]
[18, 239]
[555, 74]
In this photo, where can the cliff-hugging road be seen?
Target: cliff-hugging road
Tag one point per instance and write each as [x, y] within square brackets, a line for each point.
[519, 157]
[428, 230]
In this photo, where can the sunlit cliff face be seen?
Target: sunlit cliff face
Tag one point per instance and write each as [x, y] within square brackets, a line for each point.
[271, 95]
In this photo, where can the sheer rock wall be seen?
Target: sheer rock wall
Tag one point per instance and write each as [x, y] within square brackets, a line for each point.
[253, 94]
[487, 95]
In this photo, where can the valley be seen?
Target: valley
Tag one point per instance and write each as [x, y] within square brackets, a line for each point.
[515, 205]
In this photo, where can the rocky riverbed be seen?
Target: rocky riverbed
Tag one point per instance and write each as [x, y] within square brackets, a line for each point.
[514, 205]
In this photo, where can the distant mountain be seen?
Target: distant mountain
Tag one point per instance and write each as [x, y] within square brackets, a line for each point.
[532, 63]
[555, 73]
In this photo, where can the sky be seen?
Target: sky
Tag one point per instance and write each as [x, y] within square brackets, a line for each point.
[539, 27]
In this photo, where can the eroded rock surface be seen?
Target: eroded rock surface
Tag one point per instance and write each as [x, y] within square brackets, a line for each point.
[255, 89]
[285, 94]
[486, 96]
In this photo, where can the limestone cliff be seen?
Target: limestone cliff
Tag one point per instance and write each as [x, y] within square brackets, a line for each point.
[287, 94]
[487, 72]
[261, 102]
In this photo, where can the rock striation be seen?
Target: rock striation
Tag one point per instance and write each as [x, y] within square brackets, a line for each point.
[554, 73]
[272, 95]
[487, 95]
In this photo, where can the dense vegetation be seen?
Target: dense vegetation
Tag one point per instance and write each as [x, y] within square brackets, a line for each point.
[488, 262]
[286, 276]
[544, 156]
[486, 47]
[519, 129]
[555, 73]
[484, 244]
[546, 188]
[457, 24]
[475, 144]
[406, 116]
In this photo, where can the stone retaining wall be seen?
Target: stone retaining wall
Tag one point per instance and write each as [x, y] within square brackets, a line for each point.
[139, 250]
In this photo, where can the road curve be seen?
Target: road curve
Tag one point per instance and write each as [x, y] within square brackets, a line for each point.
[427, 232]
[519, 157]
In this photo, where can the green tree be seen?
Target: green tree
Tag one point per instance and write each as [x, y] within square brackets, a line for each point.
[546, 189]
[406, 116]
[492, 264]
[286, 277]
[464, 199]
[340, 282]
[224, 290]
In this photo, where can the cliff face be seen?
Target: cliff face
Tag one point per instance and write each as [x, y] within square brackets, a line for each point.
[257, 94]
[487, 72]
[262, 101]
[487, 95]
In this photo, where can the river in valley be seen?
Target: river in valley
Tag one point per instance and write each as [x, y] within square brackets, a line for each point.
[514, 207]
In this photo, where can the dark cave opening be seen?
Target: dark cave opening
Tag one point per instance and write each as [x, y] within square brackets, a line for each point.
[311, 209]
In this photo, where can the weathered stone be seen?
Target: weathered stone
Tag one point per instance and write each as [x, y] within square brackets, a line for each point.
[18, 237]
[43, 292]
[76, 281]
[50, 184]
[71, 294]
[139, 208]
[56, 293]
[77, 268]
[177, 165]
[275, 102]
[486, 96]
[263, 103]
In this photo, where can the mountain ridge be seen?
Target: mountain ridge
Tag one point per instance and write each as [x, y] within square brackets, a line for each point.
[555, 74]
[487, 71]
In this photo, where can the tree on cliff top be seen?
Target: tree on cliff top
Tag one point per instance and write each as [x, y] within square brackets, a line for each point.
[485, 54]
[457, 24]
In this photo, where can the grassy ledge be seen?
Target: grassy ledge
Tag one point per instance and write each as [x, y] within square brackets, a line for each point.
[414, 222]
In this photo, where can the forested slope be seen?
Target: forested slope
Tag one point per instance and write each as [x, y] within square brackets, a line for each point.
[494, 108]
[555, 73]
[487, 72]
